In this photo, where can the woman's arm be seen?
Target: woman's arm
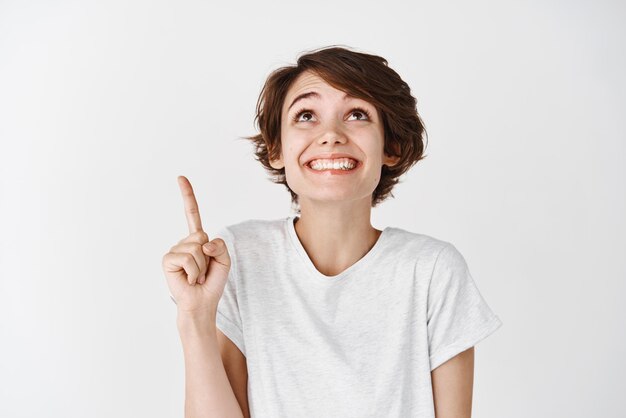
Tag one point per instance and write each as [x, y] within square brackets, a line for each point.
[207, 390]
[453, 383]
[236, 368]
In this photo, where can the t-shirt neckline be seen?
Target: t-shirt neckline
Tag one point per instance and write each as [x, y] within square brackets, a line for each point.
[291, 231]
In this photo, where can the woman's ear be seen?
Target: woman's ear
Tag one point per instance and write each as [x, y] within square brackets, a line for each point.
[277, 164]
[390, 161]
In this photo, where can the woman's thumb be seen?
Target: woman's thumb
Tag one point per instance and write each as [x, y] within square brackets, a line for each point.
[209, 248]
[217, 249]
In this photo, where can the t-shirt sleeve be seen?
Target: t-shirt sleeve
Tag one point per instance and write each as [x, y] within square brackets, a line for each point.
[458, 316]
[228, 319]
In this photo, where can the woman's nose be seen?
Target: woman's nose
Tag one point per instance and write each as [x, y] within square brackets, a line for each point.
[334, 134]
[332, 137]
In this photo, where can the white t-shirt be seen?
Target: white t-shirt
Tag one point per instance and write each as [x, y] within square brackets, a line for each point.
[358, 344]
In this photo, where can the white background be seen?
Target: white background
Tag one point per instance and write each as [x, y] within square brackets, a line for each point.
[103, 104]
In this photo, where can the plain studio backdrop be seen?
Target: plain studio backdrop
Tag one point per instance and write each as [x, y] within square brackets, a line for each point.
[104, 103]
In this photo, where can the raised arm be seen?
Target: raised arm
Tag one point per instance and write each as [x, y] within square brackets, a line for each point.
[196, 275]
[208, 392]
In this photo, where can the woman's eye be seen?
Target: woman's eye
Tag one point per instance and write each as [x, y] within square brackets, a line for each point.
[303, 113]
[307, 115]
[362, 113]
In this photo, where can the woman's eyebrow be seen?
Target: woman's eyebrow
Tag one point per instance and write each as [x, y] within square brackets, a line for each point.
[314, 94]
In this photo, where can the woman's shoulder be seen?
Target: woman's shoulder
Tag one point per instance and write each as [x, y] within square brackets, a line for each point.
[426, 246]
[402, 236]
[416, 245]
[253, 229]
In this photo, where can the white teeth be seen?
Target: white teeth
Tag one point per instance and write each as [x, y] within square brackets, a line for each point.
[336, 164]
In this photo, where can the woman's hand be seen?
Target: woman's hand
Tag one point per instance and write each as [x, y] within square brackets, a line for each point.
[196, 269]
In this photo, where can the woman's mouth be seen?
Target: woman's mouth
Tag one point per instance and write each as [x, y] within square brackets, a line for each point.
[333, 166]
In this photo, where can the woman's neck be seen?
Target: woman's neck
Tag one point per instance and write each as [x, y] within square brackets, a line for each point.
[335, 238]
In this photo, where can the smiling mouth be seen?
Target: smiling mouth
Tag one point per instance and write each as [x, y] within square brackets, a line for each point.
[334, 172]
[336, 164]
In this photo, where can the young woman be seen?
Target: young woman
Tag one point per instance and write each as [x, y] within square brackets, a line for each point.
[320, 314]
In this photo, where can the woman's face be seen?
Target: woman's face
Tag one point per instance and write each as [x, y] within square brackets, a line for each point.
[325, 122]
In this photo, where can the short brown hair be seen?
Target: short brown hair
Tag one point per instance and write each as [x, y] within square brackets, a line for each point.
[361, 75]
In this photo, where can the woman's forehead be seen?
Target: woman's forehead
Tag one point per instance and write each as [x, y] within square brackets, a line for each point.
[305, 82]
[308, 85]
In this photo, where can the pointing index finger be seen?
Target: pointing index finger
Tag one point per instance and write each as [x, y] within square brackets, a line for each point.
[191, 205]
